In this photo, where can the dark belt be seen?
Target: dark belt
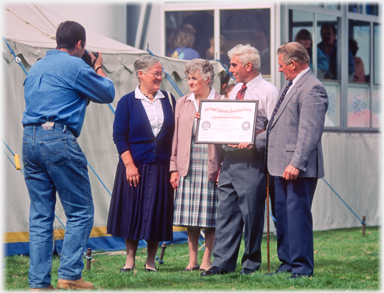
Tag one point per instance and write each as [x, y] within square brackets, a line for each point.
[49, 126]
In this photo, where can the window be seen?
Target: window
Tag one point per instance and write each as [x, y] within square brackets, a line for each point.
[346, 59]
[250, 26]
[188, 33]
[236, 26]
[364, 8]
[363, 101]
[376, 86]
[359, 97]
[303, 30]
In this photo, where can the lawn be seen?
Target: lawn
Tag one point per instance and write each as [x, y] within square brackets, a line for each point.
[344, 260]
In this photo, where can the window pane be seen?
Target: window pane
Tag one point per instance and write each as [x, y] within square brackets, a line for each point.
[372, 9]
[362, 8]
[359, 44]
[332, 117]
[332, 6]
[250, 26]
[376, 106]
[356, 7]
[359, 114]
[301, 30]
[184, 41]
[377, 66]
[328, 65]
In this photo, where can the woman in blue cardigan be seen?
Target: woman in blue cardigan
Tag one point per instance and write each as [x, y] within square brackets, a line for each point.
[142, 200]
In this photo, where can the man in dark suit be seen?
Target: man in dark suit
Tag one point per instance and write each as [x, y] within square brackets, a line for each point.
[295, 158]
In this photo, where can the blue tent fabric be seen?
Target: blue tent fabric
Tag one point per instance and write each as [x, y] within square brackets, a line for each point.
[106, 243]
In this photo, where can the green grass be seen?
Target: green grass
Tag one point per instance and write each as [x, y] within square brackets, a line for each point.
[344, 260]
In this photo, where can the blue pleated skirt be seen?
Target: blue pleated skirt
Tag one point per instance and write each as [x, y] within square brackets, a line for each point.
[145, 211]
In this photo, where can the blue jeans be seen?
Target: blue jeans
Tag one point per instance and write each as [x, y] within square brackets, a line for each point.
[53, 161]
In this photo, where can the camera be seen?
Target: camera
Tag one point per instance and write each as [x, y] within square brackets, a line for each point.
[87, 58]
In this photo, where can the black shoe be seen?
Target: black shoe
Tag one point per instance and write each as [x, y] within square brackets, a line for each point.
[193, 269]
[149, 270]
[246, 271]
[298, 276]
[277, 272]
[122, 270]
[214, 271]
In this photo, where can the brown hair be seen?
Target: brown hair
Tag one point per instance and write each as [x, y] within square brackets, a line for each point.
[184, 36]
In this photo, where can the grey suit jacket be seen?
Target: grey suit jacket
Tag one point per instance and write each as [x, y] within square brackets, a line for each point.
[294, 138]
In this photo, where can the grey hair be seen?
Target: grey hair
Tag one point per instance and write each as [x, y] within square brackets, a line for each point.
[204, 66]
[144, 63]
[246, 54]
[293, 51]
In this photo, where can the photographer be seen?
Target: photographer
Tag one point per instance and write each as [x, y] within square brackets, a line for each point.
[57, 90]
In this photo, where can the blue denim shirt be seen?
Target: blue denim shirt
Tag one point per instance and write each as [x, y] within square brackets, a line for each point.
[57, 88]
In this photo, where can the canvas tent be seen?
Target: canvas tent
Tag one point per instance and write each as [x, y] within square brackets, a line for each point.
[29, 30]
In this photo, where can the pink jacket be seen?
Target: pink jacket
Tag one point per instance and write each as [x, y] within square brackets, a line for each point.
[181, 144]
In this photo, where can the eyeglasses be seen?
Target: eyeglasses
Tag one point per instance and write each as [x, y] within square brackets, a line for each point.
[158, 74]
[190, 78]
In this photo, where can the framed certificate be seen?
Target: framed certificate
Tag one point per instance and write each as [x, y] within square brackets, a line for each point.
[227, 121]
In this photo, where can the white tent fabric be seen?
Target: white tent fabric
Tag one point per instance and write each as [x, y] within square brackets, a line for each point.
[30, 31]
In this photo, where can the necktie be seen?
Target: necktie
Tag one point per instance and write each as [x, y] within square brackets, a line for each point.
[278, 104]
[240, 94]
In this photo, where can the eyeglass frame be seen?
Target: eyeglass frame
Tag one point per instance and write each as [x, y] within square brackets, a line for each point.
[192, 78]
[157, 74]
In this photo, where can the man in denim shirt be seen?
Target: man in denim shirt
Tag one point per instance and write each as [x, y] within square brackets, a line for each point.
[57, 90]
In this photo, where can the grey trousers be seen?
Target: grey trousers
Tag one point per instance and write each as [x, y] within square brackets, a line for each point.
[242, 193]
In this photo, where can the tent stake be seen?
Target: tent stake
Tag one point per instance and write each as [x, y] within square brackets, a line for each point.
[363, 230]
[89, 257]
[163, 247]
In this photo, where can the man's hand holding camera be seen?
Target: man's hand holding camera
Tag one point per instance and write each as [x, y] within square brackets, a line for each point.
[97, 61]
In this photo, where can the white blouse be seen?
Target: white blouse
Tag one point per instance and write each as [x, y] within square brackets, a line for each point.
[153, 109]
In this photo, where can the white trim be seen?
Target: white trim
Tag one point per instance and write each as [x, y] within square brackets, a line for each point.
[275, 39]
[139, 31]
[162, 30]
[216, 32]
[213, 5]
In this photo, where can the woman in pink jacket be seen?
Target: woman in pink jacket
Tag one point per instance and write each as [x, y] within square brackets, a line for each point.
[195, 167]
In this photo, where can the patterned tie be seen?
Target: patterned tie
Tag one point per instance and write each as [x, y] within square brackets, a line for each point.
[240, 94]
[278, 104]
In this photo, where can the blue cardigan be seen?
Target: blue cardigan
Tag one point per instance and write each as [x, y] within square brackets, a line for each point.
[132, 131]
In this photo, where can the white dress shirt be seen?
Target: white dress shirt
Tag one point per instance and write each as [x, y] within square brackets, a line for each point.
[153, 109]
[262, 90]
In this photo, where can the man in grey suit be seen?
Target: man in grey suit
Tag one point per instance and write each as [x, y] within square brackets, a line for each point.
[242, 182]
[295, 158]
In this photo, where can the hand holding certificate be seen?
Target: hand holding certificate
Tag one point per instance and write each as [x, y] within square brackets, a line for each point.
[227, 122]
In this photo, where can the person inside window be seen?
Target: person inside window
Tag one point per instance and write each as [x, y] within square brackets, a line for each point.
[182, 40]
[359, 75]
[304, 37]
[328, 46]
